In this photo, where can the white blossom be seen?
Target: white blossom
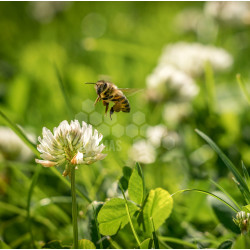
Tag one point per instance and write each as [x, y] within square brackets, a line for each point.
[231, 12]
[174, 112]
[142, 151]
[168, 82]
[12, 147]
[155, 134]
[70, 143]
[192, 57]
[44, 11]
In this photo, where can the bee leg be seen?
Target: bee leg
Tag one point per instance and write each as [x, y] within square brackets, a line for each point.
[111, 112]
[97, 100]
[107, 106]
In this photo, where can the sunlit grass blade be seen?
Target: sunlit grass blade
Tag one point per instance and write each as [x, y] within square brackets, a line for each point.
[177, 241]
[113, 243]
[32, 186]
[207, 193]
[96, 224]
[245, 172]
[227, 194]
[243, 87]
[210, 86]
[22, 212]
[64, 93]
[24, 138]
[228, 163]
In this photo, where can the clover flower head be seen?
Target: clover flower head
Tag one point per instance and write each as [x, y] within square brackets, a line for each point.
[12, 147]
[191, 57]
[70, 144]
[242, 220]
[142, 151]
[168, 82]
[233, 13]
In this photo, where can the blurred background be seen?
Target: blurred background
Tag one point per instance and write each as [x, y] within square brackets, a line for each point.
[184, 56]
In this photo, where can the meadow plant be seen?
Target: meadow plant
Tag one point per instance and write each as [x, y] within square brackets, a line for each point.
[70, 145]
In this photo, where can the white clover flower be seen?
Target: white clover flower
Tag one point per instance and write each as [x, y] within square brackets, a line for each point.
[174, 112]
[168, 82]
[44, 11]
[142, 151]
[155, 134]
[242, 220]
[191, 57]
[232, 12]
[70, 144]
[12, 147]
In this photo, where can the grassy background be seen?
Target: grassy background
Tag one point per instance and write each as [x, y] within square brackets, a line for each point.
[122, 40]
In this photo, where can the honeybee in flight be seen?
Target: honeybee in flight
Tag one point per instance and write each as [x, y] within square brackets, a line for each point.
[109, 92]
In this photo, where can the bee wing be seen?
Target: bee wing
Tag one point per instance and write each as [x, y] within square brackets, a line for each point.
[130, 91]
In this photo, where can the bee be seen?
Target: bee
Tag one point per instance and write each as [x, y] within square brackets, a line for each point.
[109, 92]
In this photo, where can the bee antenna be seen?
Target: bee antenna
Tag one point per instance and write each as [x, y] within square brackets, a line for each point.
[89, 82]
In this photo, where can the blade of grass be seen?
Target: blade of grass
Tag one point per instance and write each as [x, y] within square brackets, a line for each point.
[227, 162]
[32, 186]
[113, 243]
[97, 228]
[177, 241]
[207, 193]
[227, 194]
[156, 242]
[64, 93]
[245, 172]
[243, 87]
[24, 138]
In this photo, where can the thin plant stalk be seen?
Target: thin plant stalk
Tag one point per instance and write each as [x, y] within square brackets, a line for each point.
[74, 208]
[129, 217]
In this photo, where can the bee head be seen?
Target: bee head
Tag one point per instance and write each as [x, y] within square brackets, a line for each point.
[100, 86]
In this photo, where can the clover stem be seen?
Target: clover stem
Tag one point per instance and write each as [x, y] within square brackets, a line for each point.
[74, 208]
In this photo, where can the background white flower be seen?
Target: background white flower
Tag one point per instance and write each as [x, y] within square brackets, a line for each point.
[155, 134]
[232, 12]
[12, 147]
[166, 81]
[191, 57]
[142, 151]
[70, 143]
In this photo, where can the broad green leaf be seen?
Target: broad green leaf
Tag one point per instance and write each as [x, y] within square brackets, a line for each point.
[127, 171]
[147, 244]
[135, 186]
[3, 245]
[158, 205]
[113, 216]
[86, 244]
[228, 163]
[226, 245]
